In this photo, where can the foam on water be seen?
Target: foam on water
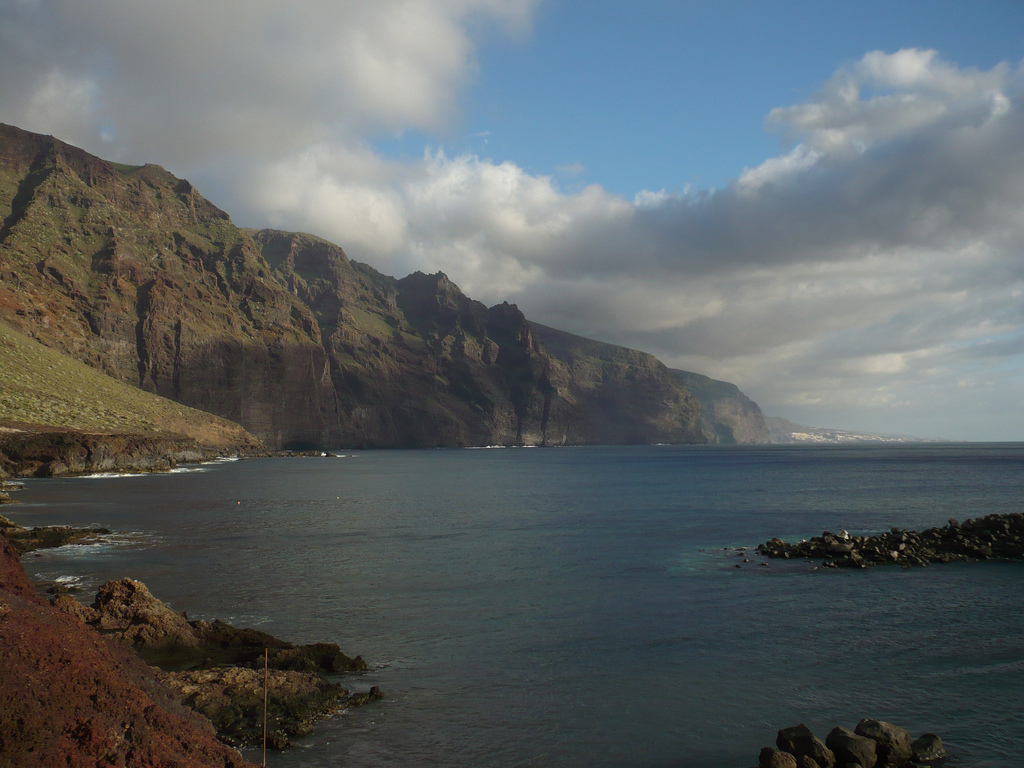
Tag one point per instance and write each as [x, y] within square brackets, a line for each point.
[109, 475]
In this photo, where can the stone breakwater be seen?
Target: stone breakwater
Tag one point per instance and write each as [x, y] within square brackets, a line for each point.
[994, 537]
[872, 743]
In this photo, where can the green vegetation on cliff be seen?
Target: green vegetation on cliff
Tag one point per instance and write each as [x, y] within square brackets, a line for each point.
[40, 387]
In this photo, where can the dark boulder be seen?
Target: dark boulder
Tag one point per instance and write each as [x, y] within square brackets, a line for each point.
[894, 743]
[364, 697]
[245, 647]
[928, 748]
[776, 758]
[317, 657]
[799, 741]
[848, 747]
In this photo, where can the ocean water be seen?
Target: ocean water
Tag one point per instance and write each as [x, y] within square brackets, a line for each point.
[582, 607]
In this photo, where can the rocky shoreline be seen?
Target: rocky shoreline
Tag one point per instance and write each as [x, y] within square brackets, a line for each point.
[872, 743]
[70, 696]
[993, 537]
[57, 453]
[129, 681]
[6, 489]
[218, 669]
[46, 536]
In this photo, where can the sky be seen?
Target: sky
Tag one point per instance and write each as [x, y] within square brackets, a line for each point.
[821, 202]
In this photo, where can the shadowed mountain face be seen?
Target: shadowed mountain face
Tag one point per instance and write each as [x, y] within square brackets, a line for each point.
[728, 415]
[133, 272]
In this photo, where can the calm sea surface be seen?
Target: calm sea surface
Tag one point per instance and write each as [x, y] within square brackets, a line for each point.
[576, 607]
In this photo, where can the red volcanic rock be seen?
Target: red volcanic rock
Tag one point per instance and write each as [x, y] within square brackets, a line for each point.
[142, 621]
[70, 697]
[13, 580]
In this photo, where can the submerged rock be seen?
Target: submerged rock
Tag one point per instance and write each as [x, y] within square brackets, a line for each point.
[45, 537]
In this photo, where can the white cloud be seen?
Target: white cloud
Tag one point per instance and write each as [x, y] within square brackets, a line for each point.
[63, 102]
[877, 263]
[906, 92]
[190, 81]
[777, 170]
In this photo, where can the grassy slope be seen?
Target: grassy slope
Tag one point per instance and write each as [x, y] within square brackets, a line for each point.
[42, 387]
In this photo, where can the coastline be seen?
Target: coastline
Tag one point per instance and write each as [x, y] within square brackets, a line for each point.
[69, 694]
[48, 452]
[130, 658]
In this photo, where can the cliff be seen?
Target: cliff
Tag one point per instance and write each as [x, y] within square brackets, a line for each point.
[620, 395]
[132, 272]
[58, 415]
[727, 415]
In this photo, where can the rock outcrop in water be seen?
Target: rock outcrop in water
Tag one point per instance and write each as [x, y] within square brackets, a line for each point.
[24, 539]
[71, 697]
[233, 699]
[872, 743]
[994, 537]
[130, 270]
[218, 669]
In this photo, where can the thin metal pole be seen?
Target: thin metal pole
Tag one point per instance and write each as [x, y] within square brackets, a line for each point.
[266, 676]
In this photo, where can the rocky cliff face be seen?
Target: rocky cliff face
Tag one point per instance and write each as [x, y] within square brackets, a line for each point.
[727, 415]
[615, 395]
[413, 362]
[133, 272]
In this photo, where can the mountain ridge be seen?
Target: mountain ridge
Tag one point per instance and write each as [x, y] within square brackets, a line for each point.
[133, 272]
